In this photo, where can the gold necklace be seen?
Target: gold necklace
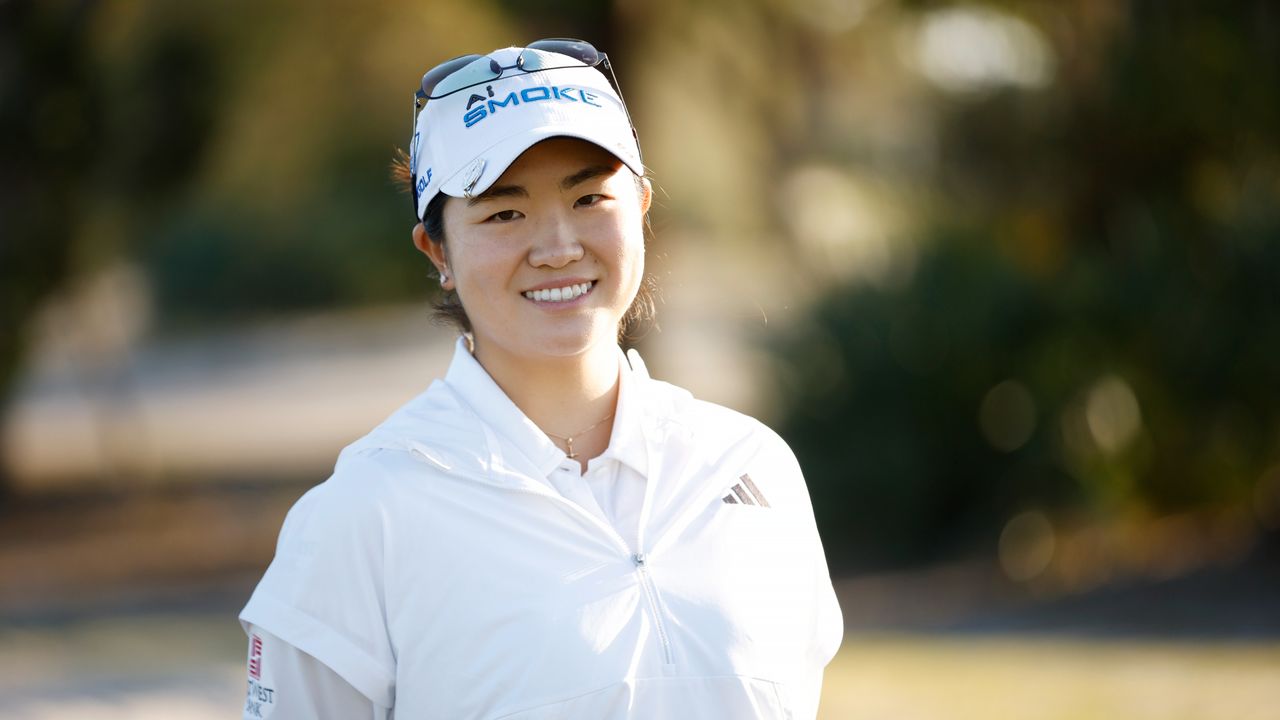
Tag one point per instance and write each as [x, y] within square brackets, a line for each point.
[568, 440]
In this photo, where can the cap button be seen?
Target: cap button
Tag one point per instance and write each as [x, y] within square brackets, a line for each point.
[474, 171]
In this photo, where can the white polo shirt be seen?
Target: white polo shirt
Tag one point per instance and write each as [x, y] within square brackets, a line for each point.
[458, 565]
[612, 488]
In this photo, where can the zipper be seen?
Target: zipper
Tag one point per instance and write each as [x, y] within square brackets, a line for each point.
[652, 593]
[637, 558]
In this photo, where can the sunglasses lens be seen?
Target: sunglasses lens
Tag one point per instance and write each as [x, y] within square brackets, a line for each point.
[433, 76]
[579, 50]
[459, 73]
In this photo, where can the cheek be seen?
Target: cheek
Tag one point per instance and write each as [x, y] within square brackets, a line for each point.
[630, 257]
[634, 238]
[476, 276]
[633, 252]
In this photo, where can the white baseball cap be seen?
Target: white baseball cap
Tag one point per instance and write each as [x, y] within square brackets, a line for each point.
[482, 116]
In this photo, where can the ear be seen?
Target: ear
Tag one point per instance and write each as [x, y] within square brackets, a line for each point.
[434, 252]
[646, 195]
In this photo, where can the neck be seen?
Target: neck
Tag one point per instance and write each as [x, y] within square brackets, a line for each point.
[563, 396]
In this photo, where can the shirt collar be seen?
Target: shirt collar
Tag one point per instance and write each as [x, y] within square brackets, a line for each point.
[477, 389]
[626, 443]
[468, 378]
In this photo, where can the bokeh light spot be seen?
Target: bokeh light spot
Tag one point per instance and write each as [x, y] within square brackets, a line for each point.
[1112, 414]
[1007, 416]
[972, 49]
[847, 226]
[1027, 545]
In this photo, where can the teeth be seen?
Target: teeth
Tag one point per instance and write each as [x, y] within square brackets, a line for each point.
[558, 294]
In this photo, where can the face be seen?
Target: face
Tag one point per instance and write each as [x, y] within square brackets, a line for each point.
[549, 258]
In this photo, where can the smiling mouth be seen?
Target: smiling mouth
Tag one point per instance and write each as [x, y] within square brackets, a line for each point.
[560, 294]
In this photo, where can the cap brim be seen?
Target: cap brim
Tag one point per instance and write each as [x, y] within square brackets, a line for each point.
[500, 156]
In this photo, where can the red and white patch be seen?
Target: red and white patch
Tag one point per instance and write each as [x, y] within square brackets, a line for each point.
[255, 657]
[259, 700]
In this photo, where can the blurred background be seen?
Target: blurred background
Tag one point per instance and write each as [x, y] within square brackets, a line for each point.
[1006, 275]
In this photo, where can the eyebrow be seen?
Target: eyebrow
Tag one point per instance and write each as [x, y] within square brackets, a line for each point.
[498, 191]
[587, 173]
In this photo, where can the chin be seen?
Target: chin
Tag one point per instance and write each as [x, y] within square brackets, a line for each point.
[568, 343]
[568, 347]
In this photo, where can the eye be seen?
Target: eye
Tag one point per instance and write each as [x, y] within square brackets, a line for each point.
[504, 216]
[589, 200]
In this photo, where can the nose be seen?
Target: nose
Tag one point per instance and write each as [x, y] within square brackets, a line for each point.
[555, 244]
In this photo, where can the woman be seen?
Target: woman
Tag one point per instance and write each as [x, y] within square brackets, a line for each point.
[546, 532]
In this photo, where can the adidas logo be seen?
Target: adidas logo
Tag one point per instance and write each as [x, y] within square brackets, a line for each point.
[748, 495]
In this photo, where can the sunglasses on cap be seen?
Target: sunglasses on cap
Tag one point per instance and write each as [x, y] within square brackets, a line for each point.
[465, 72]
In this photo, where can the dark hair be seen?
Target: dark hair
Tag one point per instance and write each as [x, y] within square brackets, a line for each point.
[448, 306]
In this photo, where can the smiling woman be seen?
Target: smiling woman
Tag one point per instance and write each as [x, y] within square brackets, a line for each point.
[448, 307]
[563, 217]
[546, 531]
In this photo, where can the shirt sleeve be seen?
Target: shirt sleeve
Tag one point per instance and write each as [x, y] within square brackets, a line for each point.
[828, 620]
[324, 593]
[824, 610]
[285, 683]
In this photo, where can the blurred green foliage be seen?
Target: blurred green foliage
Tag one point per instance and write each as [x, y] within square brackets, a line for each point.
[49, 134]
[1116, 243]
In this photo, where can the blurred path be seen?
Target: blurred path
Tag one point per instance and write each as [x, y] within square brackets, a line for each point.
[1239, 601]
[274, 400]
[149, 667]
[1030, 677]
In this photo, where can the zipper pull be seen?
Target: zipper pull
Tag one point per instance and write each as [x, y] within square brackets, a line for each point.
[638, 559]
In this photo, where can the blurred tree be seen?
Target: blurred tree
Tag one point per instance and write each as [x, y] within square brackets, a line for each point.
[49, 135]
[91, 150]
[1106, 256]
